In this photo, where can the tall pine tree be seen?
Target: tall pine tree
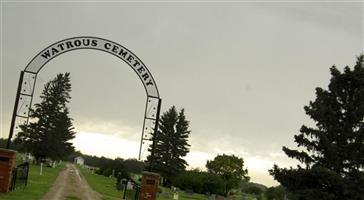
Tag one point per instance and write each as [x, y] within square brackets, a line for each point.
[50, 128]
[334, 150]
[171, 145]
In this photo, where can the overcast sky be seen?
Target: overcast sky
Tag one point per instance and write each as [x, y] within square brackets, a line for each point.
[242, 71]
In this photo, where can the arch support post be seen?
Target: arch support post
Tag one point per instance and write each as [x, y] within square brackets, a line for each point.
[150, 128]
[155, 136]
[23, 101]
[12, 124]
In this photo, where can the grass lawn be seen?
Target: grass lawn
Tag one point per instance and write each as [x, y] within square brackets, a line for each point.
[101, 184]
[72, 198]
[167, 194]
[106, 187]
[37, 185]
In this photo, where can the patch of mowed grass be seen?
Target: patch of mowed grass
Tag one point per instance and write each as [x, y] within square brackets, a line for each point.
[182, 196]
[167, 194]
[101, 184]
[185, 196]
[106, 187]
[72, 198]
[37, 186]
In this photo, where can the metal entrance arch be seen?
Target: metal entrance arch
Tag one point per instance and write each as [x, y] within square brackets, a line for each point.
[28, 78]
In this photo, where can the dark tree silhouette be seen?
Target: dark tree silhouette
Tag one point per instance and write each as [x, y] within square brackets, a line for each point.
[333, 151]
[50, 128]
[171, 145]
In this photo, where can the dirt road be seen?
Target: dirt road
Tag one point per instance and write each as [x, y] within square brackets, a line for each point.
[70, 185]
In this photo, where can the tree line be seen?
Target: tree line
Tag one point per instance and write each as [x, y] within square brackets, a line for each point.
[111, 167]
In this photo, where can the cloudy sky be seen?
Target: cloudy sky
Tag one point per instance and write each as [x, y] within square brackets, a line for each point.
[243, 71]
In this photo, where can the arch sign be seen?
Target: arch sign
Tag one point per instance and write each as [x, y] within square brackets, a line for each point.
[28, 77]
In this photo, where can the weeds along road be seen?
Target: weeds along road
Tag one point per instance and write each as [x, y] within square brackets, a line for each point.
[70, 184]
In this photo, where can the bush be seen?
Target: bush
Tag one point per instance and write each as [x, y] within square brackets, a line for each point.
[107, 172]
[253, 190]
[275, 193]
[200, 182]
[115, 166]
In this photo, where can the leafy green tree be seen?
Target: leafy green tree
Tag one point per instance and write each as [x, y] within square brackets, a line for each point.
[275, 193]
[200, 182]
[244, 185]
[50, 129]
[230, 168]
[333, 151]
[253, 190]
[114, 168]
[3, 143]
[171, 145]
[134, 166]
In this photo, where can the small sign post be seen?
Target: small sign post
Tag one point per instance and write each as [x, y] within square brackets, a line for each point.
[41, 169]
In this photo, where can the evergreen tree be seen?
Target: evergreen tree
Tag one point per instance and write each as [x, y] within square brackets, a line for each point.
[50, 128]
[334, 151]
[171, 144]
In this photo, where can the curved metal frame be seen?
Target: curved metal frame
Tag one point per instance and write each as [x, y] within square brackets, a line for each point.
[28, 77]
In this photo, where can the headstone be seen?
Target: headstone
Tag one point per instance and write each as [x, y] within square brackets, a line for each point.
[129, 186]
[175, 196]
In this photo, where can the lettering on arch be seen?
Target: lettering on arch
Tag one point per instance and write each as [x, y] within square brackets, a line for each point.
[96, 43]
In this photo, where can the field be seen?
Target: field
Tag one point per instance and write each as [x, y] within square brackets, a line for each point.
[106, 187]
[37, 186]
[101, 184]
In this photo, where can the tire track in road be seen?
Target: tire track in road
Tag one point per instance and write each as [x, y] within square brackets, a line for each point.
[70, 183]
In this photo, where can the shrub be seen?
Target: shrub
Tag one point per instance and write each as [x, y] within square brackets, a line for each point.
[253, 190]
[115, 166]
[275, 193]
[200, 182]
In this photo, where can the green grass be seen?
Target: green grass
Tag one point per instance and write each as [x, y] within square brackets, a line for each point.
[167, 194]
[37, 185]
[106, 187]
[101, 184]
[72, 198]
